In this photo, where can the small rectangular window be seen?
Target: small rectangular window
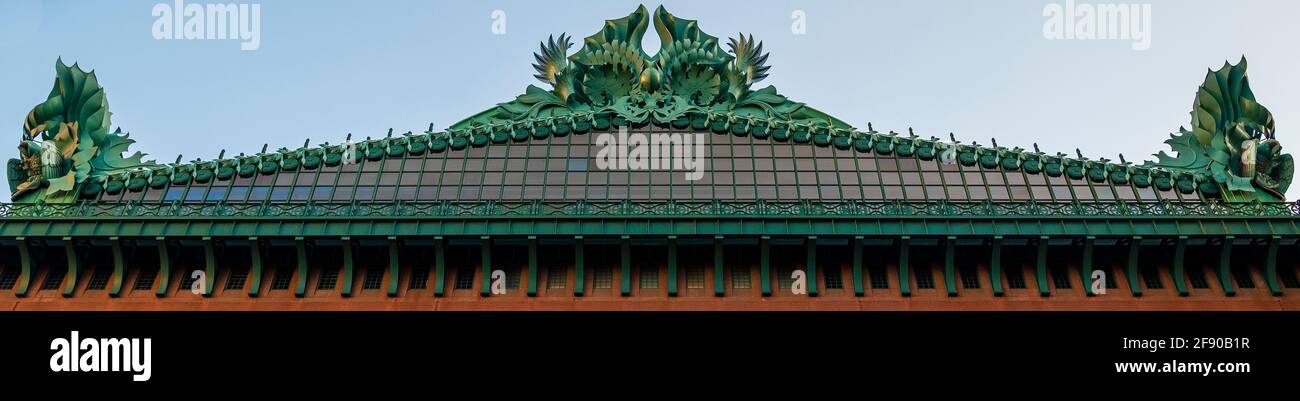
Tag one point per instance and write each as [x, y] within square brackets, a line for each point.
[834, 278]
[8, 278]
[187, 281]
[924, 278]
[1241, 275]
[53, 279]
[1061, 277]
[513, 276]
[649, 278]
[602, 278]
[879, 277]
[740, 278]
[419, 279]
[1289, 279]
[375, 279]
[145, 279]
[557, 277]
[1196, 275]
[1015, 277]
[695, 278]
[1112, 282]
[970, 278]
[99, 280]
[328, 279]
[784, 279]
[283, 278]
[1151, 277]
[237, 279]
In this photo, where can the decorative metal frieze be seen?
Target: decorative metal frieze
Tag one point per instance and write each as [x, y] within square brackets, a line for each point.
[670, 209]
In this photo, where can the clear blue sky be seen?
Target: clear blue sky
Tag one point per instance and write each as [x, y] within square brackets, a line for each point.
[981, 69]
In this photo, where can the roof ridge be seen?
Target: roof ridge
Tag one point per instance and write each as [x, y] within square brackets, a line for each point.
[539, 128]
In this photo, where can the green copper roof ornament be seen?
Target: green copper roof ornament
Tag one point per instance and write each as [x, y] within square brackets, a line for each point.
[66, 147]
[691, 81]
[1231, 144]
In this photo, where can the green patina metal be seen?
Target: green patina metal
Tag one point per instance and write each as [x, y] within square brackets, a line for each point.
[625, 265]
[1040, 268]
[440, 266]
[532, 266]
[765, 264]
[1180, 250]
[810, 249]
[165, 268]
[995, 264]
[345, 288]
[255, 267]
[119, 268]
[209, 266]
[300, 245]
[24, 284]
[1134, 285]
[691, 82]
[1231, 141]
[66, 147]
[1224, 274]
[719, 285]
[1085, 267]
[579, 269]
[73, 273]
[1230, 158]
[949, 265]
[672, 266]
[1270, 266]
[858, 289]
[485, 288]
[904, 282]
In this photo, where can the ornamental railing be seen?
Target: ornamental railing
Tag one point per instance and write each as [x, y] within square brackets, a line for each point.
[648, 209]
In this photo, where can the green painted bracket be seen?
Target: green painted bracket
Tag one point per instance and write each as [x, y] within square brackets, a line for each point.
[1085, 267]
[672, 265]
[995, 265]
[1270, 266]
[485, 288]
[394, 267]
[164, 268]
[719, 287]
[625, 252]
[1134, 285]
[255, 273]
[904, 282]
[74, 267]
[532, 266]
[1225, 274]
[348, 269]
[811, 246]
[1040, 271]
[949, 266]
[300, 289]
[210, 268]
[25, 277]
[119, 269]
[579, 277]
[440, 266]
[1180, 276]
[858, 289]
[765, 265]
